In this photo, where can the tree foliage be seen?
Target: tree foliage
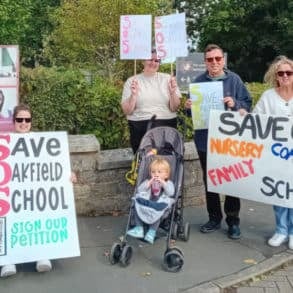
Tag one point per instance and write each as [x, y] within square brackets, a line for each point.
[25, 23]
[252, 32]
[87, 32]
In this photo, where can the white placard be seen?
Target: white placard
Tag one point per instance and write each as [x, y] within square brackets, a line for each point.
[251, 157]
[37, 210]
[170, 36]
[135, 36]
[205, 96]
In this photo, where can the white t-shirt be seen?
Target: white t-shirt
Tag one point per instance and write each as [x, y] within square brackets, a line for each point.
[153, 96]
[272, 103]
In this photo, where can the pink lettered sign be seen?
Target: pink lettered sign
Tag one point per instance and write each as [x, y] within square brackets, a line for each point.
[170, 36]
[135, 36]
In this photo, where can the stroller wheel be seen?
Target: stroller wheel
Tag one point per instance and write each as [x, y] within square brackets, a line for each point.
[186, 232]
[126, 255]
[115, 253]
[174, 231]
[173, 260]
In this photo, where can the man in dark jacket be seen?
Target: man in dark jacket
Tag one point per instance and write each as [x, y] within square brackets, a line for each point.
[236, 97]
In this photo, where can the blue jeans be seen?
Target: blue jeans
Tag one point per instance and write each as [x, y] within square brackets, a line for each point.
[284, 220]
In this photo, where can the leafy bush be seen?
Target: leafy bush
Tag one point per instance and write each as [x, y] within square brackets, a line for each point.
[64, 100]
[256, 89]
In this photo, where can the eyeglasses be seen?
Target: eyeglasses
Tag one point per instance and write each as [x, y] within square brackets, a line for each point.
[20, 120]
[155, 60]
[211, 59]
[282, 73]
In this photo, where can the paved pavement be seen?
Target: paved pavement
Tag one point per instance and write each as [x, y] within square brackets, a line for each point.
[213, 263]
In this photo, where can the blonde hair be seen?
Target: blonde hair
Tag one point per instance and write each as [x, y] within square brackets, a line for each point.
[270, 76]
[163, 163]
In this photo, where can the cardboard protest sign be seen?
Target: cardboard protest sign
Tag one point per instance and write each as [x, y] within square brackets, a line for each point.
[251, 157]
[170, 36]
[9, 80]
[205, 96]
[135, 36]
[37, 210]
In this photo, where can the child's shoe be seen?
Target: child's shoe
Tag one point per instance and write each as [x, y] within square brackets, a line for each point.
[277, 239]
[150, 236]
[8, 270]
[43, 266]
[136, 232]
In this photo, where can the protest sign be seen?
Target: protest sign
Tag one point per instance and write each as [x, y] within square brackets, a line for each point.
[9, 79]
[170, 36]
[205, 96]
[251, 157]
[37, 210]
[135, 36]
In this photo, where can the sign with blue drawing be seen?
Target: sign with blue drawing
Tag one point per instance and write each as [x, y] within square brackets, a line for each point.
[205, 96]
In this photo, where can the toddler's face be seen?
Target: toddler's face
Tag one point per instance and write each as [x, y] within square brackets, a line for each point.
[159, 172]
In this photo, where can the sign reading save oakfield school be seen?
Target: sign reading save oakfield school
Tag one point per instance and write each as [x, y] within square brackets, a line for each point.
[251, 157]
[37, 211]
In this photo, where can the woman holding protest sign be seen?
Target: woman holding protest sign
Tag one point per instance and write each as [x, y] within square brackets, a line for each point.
[278, 100]
[146, 94]
[22, 119]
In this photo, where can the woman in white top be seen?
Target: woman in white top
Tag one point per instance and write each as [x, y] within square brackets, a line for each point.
[279, 101]
[146, 94]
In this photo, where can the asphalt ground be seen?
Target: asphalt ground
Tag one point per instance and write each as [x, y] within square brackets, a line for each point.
[212, 262]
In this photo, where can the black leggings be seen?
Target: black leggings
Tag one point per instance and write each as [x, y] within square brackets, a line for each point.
[138, 129]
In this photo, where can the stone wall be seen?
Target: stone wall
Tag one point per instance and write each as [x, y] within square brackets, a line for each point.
[101, 187]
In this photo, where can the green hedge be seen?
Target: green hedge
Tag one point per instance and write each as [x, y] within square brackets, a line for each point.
[64, 99]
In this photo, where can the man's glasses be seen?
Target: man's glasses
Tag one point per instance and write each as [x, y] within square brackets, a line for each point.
[155, 60]
[211, 59]
[282, 73]
[20, 120]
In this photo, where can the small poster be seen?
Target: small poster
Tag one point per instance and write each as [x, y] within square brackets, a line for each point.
[135, 37]
[170, 36]
[205, 96]
[9, 80]
[37, 209]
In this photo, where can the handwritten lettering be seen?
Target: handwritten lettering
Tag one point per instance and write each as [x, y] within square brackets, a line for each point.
[34, 148]
[281, 189]
[160, 39]
[125, 34]
[280, 151]
[40, 199]
[6, 170]
[236, 148]
[232, 172]
[252, 123]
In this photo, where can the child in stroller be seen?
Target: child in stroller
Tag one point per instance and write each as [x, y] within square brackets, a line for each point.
[153, 198]
[167, 143]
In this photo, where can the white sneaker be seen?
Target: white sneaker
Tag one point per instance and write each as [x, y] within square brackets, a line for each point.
[43, 266]
[290, 242]
[8, 270]
[278, 239]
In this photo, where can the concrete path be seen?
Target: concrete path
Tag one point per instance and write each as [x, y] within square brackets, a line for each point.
[212, 261]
